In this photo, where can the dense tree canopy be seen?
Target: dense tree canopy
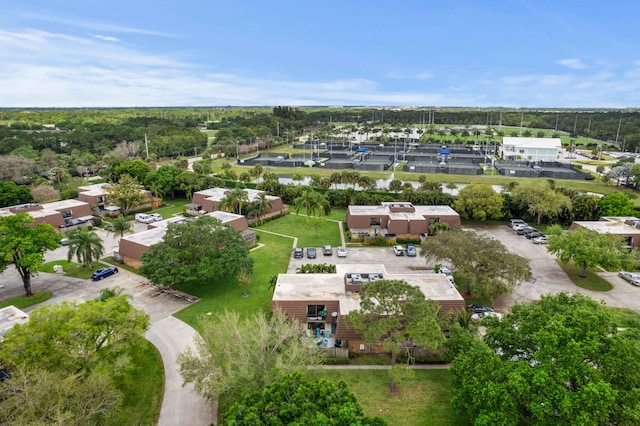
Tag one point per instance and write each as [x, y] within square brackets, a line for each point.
[195, 253]
[617, 204]
[489, 268]
[65, 359]
[12, 194]
[238, 356]
[561, 360]
[392, 312]
[588, 249]
[540, 199]
[478, 202]
[127, 194]
[295, 401]
[24, 245]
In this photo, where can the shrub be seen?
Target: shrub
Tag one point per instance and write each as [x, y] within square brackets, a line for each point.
[379, 240]
[408, 241]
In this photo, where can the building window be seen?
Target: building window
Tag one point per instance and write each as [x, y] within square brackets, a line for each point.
[314, 311]
[375, 221]
[433, 220]
[100, 200]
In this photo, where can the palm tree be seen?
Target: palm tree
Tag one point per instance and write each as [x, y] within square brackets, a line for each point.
[261, 205]
[234, 201]
[257, 171]
[86, 245]
[120, 226]
[451, 186]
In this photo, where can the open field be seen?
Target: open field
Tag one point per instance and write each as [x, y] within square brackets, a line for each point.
[423, 400]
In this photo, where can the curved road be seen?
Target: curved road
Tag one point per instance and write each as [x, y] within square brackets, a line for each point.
[180, 405]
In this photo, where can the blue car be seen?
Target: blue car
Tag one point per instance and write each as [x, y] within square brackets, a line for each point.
[411, 250]
[103, 273]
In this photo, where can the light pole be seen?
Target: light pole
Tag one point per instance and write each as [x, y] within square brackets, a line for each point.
[238, 150]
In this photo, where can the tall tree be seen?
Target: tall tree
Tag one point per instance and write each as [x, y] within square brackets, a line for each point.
[235, 200]
[12, 194]
[70, 337]
[24, 245]
[241, 355]
[617, 204]
[540, 200]
[261, 205]
[120, 225]
[392, 312]
[478, 202]
[127, 194]
[293, 400]
[589, 249]
[37, 397]
[489, 268]
[562, 360]
[197, 252]
[86, 245]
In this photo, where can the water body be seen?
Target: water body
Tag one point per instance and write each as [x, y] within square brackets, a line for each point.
[384, 184]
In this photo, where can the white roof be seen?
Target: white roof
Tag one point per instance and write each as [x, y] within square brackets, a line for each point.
[548, 143]
[10, 316]
[612, 225]
[328, 287]
[217, 194]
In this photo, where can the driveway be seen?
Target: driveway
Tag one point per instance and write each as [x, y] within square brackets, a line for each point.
[548, 276]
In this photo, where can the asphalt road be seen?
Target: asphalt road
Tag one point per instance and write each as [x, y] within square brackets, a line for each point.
[549, 278]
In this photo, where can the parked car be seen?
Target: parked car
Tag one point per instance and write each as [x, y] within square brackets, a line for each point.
[64, 241]
[630, 277]
[311, 253]
[476, 309]
[327, 250]
[444, 270]
[411, 250]
[481, 315]
[513, 222]
[144, 218]
[533, 234]
[522, 231]
[156, 216]
[542, 239]
[519, 226]
[103, 273]
[298, 253]
[398, 250]
[342, 252]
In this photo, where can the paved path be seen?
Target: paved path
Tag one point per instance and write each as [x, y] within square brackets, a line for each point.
[385, 367]
[180, 405]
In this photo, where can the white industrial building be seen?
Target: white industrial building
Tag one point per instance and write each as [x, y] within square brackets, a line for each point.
[531, 149]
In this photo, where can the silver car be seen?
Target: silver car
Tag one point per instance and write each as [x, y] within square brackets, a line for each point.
[630, 277]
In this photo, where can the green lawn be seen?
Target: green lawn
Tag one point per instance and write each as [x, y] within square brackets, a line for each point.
[270, 260]
[294, 225]
[423, 400]
[23, 301]
[171, 207]
[592, 282]
[624, 317]
[142, 387]
[72, 269]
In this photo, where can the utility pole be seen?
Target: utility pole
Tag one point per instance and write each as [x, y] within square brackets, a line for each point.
[618, 132]
[521, 122]
[557, 116]
[146, 145]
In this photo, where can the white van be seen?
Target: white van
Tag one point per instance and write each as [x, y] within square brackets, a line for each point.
[144, 218]
[156, 216]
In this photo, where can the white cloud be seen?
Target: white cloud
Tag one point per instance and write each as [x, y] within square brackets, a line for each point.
[574, 64]
[402, 76]
[106, 38]
[96, 25]
[46, 69]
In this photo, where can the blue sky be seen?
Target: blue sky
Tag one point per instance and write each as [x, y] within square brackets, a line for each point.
[511, 53]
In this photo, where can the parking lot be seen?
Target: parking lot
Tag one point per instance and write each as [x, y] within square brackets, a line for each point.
[365, 255]
[548, 276]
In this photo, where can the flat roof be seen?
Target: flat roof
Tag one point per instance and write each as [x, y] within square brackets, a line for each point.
[331, 287]
[95, 189]
[10, 316]
[155, 235]
[63, 204]
[532, 142]
[611, 225]
[420, 211]
[217, 194]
